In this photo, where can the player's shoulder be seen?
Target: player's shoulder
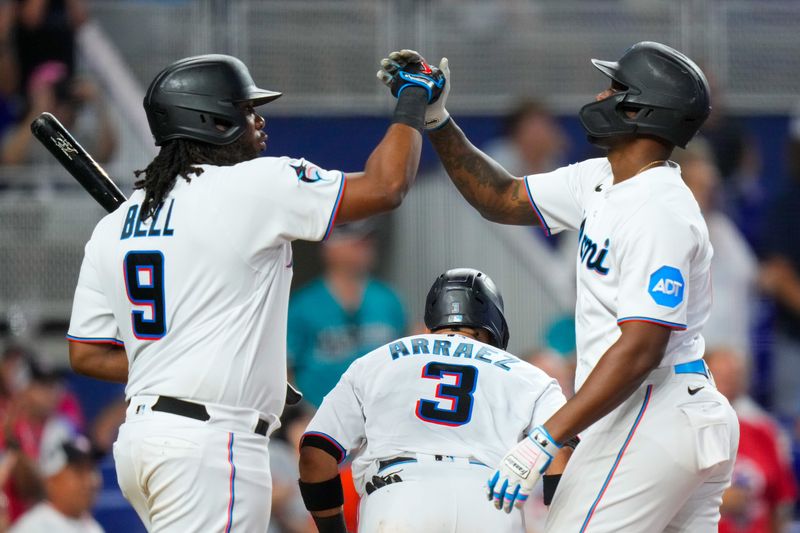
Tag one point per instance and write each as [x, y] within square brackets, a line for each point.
[531, 373]
[586, 176]
[593, 164]
[259, 167]
[108, 227]
[662, 200]
[593, 170]
[588, 169]
[284, 170]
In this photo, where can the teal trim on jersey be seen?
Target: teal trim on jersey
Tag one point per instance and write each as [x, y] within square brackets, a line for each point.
[697, 366]
[323, 339]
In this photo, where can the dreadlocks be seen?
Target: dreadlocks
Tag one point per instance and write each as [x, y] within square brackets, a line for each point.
[180, 157]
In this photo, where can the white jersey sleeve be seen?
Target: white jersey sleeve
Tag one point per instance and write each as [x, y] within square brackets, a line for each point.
[92, 319]
[338, 427]
[557, 197]
[656, 250]
[549, 401]
[271, 200]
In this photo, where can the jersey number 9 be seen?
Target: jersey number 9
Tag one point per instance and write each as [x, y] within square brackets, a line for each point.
[144, 283]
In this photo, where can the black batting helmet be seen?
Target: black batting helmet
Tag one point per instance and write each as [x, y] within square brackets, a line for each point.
[193, 97]
[667, 91]
[467, 297]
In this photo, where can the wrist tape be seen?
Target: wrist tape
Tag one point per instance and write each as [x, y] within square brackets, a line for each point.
[410, 109]
[323, 495]
[331, 524]
[549, 485]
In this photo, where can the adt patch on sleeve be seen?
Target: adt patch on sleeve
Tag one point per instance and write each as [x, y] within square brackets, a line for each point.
[666, 286]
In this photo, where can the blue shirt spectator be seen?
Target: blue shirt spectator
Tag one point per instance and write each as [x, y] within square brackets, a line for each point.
[341, 316]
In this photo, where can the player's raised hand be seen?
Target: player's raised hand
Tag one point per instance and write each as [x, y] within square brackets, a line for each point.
[520, 469]
[407, 67]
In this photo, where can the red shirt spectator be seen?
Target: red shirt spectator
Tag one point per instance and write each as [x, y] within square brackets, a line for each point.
[762, 478]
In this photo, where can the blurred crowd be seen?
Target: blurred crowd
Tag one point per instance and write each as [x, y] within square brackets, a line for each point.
[39, 71]
[51, 455]
[48, 464]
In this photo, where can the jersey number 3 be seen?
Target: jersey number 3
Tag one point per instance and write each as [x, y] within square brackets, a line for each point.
[458, 395]
[144, 282]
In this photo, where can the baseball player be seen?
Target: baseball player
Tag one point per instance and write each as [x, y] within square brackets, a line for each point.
[183, 291]
[425, 415]
[658, 440]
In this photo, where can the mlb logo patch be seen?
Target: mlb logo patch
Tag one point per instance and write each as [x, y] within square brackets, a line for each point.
[666, 286]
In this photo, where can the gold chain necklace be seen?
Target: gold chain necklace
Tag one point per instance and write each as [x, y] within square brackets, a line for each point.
[651, 164]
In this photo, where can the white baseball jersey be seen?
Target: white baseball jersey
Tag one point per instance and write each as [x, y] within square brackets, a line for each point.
[434, 394]
[643, 254]
[198, 294]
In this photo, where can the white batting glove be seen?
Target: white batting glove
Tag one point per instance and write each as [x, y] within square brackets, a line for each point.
[436, 115]
[520, 469]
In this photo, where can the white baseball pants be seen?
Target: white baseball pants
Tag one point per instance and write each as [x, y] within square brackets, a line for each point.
[188, 476]
[659, 462]
[447, 496]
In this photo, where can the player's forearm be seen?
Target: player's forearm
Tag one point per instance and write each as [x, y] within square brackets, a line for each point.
[390, 170]
[560, 461]
[394, 164]
[621, 370]
[487, 186]
[319, 480]
[99, 361]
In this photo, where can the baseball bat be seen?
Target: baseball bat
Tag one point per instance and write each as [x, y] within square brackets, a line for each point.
[77, 161]
[92, 177]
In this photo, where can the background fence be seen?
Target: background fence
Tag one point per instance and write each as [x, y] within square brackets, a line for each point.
[323, 55]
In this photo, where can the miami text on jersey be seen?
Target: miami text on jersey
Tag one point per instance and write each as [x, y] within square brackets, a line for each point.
[133, 223]
[589, 253]
[421, 345]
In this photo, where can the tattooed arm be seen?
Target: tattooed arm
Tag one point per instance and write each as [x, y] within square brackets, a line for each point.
[497, 195]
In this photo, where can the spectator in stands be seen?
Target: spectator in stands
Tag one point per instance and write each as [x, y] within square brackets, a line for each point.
[734, 267]
[38, 397]
[288, 514]
[105, 426]
[342, 315]
[8, 460]
[44, 31]
[75, 102]
[533, 141]
[738, 160]
[8, 68]
[780, 279]
[71, 482]
[8, 64]
[13, 375]
[763, 489]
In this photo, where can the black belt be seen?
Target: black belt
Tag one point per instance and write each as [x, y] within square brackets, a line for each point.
[397, 460]
[198, 411]
[403, 459]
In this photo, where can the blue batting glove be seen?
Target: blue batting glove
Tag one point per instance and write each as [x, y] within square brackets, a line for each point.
[406, 68]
